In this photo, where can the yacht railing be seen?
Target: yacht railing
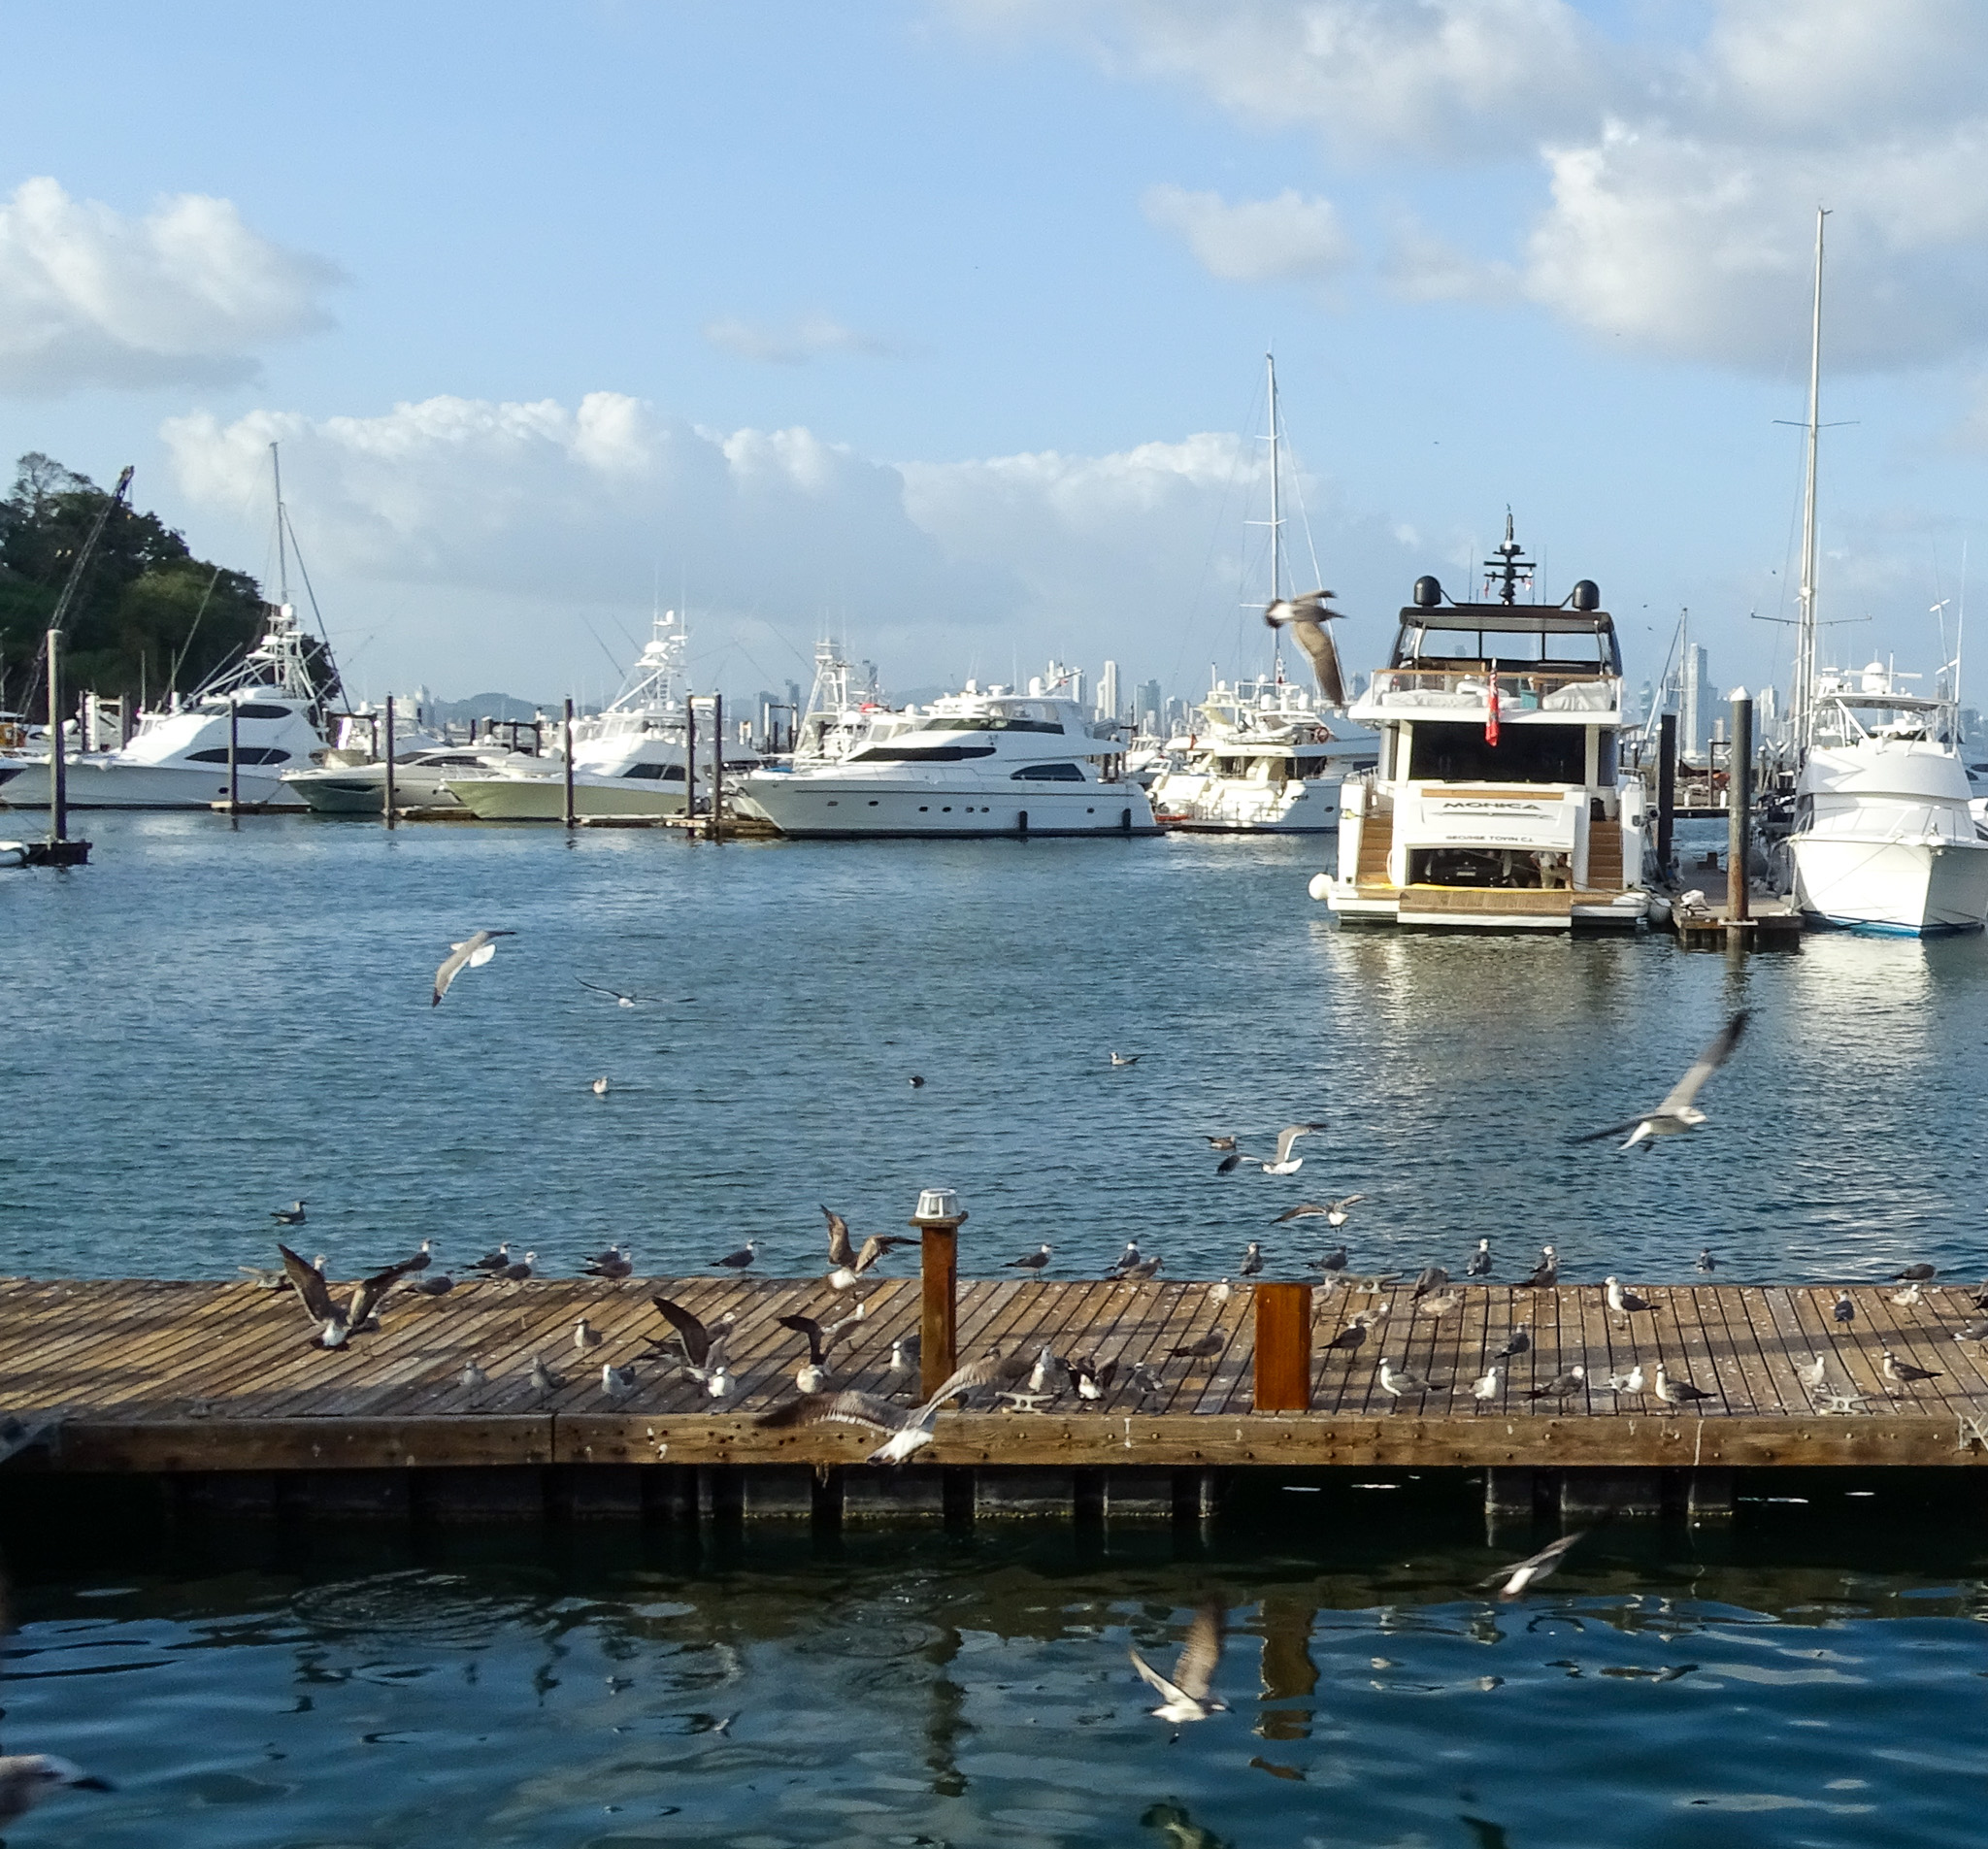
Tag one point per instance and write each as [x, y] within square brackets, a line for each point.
[1519, 689]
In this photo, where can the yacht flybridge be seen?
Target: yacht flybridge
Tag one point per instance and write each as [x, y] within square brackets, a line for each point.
[1497, 802]
[990, 762]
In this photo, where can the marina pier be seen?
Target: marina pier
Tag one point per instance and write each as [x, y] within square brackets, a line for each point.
[213, 1390]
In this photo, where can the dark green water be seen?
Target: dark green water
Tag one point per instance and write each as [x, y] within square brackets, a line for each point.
[1814, 1677]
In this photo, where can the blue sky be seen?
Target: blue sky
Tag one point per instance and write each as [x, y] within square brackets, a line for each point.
[940, 324]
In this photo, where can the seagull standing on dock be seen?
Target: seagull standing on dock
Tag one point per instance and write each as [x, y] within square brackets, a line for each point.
[1030, 1261]
[812, 1375]
[1534, 1568]
[1679, 1113]
[1904, 1373]
[1126, 1260]
[1845, 1311]
[586, 1336]
[1815, 1375]
[1545, 1274]
[1561, 1385]
[614, 1262]
[1485, 1386]
[1430, 1277]
[472, 953]
[1252, 1260]
[1286, 1163]
[1147, 1267]
[616, 1382]
[1677, 1392]
[1517, 1344]
[1480, 1261]
[491, 1262]
[1186, 1696]
[472, 1377]
[1624, 1302]
[846, 1263]
[518, 1270]
[1396, 1381]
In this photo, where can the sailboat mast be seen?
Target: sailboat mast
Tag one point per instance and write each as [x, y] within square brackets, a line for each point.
[282, 557]
[1276, 522]
[1804, 634]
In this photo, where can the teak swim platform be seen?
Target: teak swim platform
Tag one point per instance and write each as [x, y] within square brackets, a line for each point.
[222, 1384]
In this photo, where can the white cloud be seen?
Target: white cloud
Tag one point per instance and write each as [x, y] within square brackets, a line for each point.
[1278, 240]
[1421, 267]
[185, 295]
[499, 521]
[793, 343]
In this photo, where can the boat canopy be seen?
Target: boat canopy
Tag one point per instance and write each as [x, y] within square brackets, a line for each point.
[1419, 624]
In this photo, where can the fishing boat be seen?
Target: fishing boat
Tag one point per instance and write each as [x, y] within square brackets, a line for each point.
[1498, 802]
[979, 762]
[1264, 758]
[1884, 839]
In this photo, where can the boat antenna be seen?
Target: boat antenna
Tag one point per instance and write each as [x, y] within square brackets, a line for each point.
[1507, 568]
[1803, 702]
[282, 560]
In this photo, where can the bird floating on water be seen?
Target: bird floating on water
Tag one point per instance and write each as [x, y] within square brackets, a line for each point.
[1545, 1274]
[1126, 1059]
[915, 1082]
[1916, 1274]
[1678, 1113]
[1186, 1698]
[472, 953]
[1253, 1259]
[1528, 1572]
[1705, 1261]
[627, 998]
[1221, 1143]
[1479, 1264]
[599, 1087]
[291, 1215]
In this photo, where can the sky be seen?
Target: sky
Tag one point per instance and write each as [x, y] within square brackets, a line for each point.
[937, 326]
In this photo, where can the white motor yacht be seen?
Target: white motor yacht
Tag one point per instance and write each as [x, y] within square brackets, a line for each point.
[975, 763]
[418, 779]
[1497, 802]
[1263, 760]
[1884, 838]
[179, 758]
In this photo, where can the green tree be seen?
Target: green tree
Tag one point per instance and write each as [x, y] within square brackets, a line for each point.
[148, 617]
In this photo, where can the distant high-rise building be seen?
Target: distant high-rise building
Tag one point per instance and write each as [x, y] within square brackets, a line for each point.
[1700, 698]
[1108, 693]
[1150, 705]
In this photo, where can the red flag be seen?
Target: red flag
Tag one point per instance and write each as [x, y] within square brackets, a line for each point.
[1491, 716]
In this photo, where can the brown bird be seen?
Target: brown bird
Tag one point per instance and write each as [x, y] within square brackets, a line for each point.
[846, 1263]
[1306, 617]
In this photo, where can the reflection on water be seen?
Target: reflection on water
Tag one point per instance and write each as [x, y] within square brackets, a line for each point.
[618, 1688]
[225, 1021]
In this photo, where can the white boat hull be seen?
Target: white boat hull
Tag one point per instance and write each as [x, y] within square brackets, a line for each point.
[533, 799]
[802, 807]
[99, 781]
[1189, 802]
[1909, 888]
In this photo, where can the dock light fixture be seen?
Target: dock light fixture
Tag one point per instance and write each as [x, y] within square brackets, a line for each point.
[938, 1218]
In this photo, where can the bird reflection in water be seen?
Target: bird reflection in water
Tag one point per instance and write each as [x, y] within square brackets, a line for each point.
[1178, 1831]
[948, 1722]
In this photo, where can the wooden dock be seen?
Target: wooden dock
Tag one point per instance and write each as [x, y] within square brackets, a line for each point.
[167, 1379]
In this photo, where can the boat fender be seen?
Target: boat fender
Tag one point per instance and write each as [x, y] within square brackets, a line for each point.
[1320, 885]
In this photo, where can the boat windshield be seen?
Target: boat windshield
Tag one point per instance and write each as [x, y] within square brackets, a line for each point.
[991, 723]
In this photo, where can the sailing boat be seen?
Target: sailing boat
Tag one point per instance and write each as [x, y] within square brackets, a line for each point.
[1883, 841]
[1263, 758]
[276, 695]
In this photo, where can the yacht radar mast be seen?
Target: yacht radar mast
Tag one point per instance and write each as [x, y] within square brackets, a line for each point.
[1507, 568]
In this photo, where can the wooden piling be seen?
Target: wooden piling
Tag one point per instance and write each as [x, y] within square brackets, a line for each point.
[234, 754]
[1283, 1348]
[387, 759]
[1738, 808]
[1666, 788]
[718, 765]
[568, 817]
[690, 767]
[939, 1290]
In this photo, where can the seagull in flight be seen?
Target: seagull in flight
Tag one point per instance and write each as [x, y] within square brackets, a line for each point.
[703, 1346]
[813, 1374]
[472, 953]
[905, 1432]
[335, 1324]
[846, 1263]
[1679, 1113]
[26, 1778]
[1519, 1578]
[626, 998]
[1306, 617]
[1286, 1163]
[1334, 1212]
[1186, 1696]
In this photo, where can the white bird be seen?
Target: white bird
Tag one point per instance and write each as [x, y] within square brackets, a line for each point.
[543, 1378]
[1043, 1370]
[1910, 1297]
[1814, 1374]
[26, 1778]
[472, 953]
[617, 1381]
[1679, 1113]
[1219, 1293]
[1285, 1163]
[1622, 1301]
[1186, 1696]
[1534, 1568]
[1126, 1059]
[1485, 1386]
[1306, 617]
[600, 1086]
[1396, 1381]
[586, 1336]
[718, 1381]
[626, 998]
[1480, 1261]
[1679, 1393]
[1631, 1382]
[907, 1432]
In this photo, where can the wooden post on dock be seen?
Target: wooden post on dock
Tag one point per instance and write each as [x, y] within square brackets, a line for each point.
[569, 764]
[1739, 806]
[59, 766]
[386, 758]
[1666, 788]
[690, 767]
[938, 1219]
[1284, 1347]
[717, 766]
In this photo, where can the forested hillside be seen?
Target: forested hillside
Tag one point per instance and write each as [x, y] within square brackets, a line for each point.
[149, 615]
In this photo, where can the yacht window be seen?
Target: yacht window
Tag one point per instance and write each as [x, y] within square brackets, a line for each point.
[1047, 773]
[992, 722]
[245, 754]
[652, 771]
[1446, 752]
[919, 753]
[253, 712]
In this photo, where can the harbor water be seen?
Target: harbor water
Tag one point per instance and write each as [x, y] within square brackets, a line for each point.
[210, 1022]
